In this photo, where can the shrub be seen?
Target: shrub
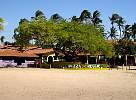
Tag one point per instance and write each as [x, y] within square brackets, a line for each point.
[95, 66]
[104, 65]
[45, 65]
[64, 64]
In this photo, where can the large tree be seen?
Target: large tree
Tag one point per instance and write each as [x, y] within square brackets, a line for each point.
[125, 47]
[22, 34]
[86, 37]
[67, 35]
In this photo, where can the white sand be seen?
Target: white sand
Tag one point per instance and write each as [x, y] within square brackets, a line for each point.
[46, 84]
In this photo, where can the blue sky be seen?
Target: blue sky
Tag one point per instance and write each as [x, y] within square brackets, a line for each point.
[13, 10]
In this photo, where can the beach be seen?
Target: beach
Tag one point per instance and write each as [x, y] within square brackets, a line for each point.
[60, 84]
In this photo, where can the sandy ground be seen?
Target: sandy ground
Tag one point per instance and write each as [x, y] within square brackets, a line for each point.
[53, 84]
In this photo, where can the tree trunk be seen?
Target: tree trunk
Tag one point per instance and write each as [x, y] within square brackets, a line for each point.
[120, 31]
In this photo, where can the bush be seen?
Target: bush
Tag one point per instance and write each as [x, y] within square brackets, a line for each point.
[95, 66]
[45, 65]
[104, 65]
[64, 64]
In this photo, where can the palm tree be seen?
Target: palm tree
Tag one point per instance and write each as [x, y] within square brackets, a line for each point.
[134, 31]
[56, 18]
[39, 14]
[127, 31]
[85, 15]
[112, 33]
[1, 24]
[96, 18]
[23, 20]
[2, 39]
[113, 19]
[74, 18]
[120, 22]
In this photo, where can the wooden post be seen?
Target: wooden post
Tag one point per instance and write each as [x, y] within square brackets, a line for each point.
[96, 60]
[126, 60]
[87, 59]
[50, 66]
[122, 66]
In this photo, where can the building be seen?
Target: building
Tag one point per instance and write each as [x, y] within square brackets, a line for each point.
[11, 57]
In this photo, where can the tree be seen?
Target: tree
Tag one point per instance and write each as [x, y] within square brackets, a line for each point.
[40, 14]
[23, 21]
[127, 32]
[125, 47]
[2, 39]
[81, 37]
[22, 34]
[1, 24]
[112, 33]
[56, 18]
[134, 31]
[69, 36]
[85, 15]
[74, 18]
[96, 18]
[120, 22]
[113, 19]
[43, 31]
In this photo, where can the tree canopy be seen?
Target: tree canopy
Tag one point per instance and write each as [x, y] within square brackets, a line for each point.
[84, 33]
[63, 34]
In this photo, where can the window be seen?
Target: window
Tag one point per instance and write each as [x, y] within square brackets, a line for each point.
[45, 58]
[55, 57]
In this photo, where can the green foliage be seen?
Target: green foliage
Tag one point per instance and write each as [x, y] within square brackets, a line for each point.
[85, 15]
[125, 47]
[105, 65]
[22, 34]
[84, 36]
[112, 33]
[96, 18]
[56, 18]
[64, 64]
[43, 31]
[134, 31]
[127, 32]
[1, 24]
[2, 39]
[67, 35]
[45, 65]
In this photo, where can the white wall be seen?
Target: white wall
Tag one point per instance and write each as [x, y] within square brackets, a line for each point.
[52, 55]
[4, 63]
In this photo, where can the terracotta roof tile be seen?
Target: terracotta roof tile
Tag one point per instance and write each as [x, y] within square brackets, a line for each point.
[30, 52]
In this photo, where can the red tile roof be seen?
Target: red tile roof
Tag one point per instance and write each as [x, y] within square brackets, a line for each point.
[30, 52]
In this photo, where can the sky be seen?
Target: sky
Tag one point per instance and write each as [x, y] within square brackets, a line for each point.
[13, 10]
